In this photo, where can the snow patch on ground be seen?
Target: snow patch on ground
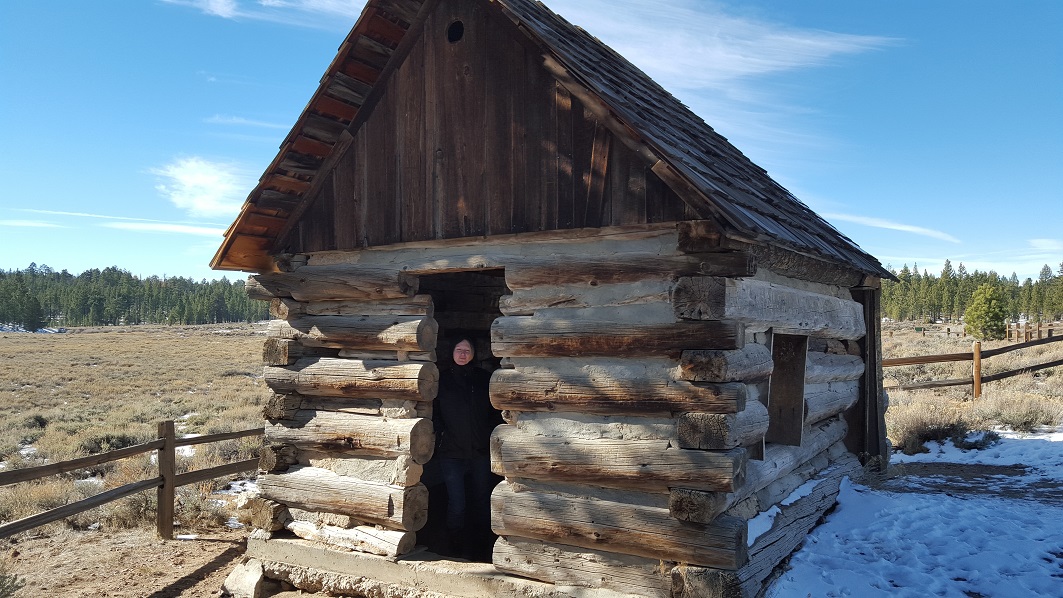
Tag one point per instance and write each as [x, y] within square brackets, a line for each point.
[883, 543]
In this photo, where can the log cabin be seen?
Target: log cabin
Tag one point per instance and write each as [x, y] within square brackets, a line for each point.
[680, 348]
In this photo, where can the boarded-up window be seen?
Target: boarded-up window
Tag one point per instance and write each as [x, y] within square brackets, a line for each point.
[786, 389]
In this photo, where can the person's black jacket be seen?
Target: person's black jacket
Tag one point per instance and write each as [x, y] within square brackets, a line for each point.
[463, 416]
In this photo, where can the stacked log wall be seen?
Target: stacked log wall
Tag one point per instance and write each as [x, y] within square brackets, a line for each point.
[634, 384]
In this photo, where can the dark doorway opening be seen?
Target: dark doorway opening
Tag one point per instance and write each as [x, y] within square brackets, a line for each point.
[466, 303]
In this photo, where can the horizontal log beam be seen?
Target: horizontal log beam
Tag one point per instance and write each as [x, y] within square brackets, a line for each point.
[342, 281]
[530, 273]
[527, 302]
[827, 400]
[286, 351]
[647, 465]
[619, 527]
[327, 430]
[572, 566]
[751, 363]
[418, 305]
[768, 305]
[356, 379]
[315, 489]
[610, 390]
[824, 367]
[367, 333]
[522, 336]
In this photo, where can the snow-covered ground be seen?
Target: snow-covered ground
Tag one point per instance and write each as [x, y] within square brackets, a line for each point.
[892, 541]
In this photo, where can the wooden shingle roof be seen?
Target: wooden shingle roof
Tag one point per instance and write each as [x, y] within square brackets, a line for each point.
[710, 174]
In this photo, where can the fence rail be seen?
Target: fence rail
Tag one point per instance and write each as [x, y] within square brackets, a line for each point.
[1029, 331]
[975, 356]
[166, 482]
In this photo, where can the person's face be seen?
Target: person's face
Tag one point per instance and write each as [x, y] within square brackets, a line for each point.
[462, 353]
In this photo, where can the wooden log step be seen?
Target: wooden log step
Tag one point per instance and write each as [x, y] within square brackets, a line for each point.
[356, 379]
[340, 281]
[523, 336]
[825, 367]
[827, 400]
[371, 540]
[367, 333]
[613, 526]
[593, 270]
[716, 431]
[326, 430]
[696, 505]
[572, 566]
[647, 465]
[752, 363]
[610, 390]
[768, 305]
[315, 489]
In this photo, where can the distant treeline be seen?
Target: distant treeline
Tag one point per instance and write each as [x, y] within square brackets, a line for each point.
[924, 296]
[38, 297]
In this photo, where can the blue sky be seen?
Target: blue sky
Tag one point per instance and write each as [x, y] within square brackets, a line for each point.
[132, 130]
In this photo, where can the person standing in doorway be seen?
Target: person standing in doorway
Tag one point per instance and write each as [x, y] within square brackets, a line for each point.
[464, 418]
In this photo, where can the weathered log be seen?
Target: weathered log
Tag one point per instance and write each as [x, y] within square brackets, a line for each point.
[348, 281]
[387, 355]
[715, 431]
[267, 514]
[356, 379]
[527, 302]
[340, 405]
[333, 519]
[398, 471]
[277, 457]
[583, 567]
[826, 400]
[765, 304]
[791, 525]
[285, 351]
[591, 426]
[610, 390]
[383, 542]
[614, 526]
[648, 465]
[281, 405]
[418, 305]
[832, 346]
[255, 291]
[314, 489]
[593, 270]
[692, 504]
[752, 363]
[347, 432]
[283, 308]
[522, 336]
[825, 367]
[366, 333]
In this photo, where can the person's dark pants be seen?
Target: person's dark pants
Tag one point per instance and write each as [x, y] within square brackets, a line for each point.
[469, 482]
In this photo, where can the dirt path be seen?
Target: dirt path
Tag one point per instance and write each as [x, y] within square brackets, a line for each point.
[124, 564]
[958, 479]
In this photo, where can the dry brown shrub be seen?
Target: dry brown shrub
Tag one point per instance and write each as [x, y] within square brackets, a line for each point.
[1021, 402]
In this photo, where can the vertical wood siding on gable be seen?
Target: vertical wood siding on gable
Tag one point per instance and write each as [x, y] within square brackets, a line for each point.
[475, 138]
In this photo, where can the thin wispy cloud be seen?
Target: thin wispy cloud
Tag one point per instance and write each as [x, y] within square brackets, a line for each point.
[1048, 245]
[891, 225]
[29, 224]
[240, 121]
[226, 9]
[203, 188]
[161, 227]
[89, 215]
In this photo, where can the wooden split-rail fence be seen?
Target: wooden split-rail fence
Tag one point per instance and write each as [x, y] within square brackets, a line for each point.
[975, 357]
[1029, 331]
[166, 482]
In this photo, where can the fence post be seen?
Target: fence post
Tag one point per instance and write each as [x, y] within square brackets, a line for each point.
[977, 359]
[167, 471]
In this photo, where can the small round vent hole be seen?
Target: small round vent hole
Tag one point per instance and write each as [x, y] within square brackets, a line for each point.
[455, 32]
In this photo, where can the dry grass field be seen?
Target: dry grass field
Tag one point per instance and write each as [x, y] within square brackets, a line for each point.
[1020, 403]
[92, 390]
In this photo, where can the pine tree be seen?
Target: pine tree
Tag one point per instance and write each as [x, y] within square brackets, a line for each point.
[987, 314]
